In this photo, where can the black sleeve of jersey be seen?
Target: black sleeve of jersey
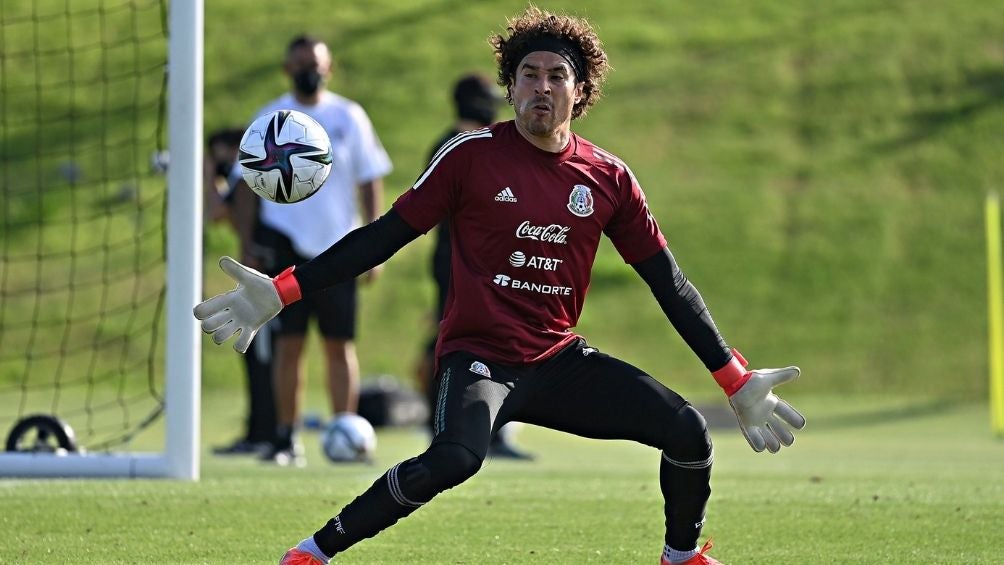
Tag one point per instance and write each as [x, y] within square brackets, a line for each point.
[359, 251]
[685, 308]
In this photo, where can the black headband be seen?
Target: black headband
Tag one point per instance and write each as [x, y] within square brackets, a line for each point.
[555, 45]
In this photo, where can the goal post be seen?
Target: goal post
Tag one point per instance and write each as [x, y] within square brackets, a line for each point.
[183, 371]
[24, 376]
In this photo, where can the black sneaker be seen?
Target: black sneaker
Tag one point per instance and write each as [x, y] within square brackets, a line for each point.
[288, 455]
[241, 447]
[500, 449]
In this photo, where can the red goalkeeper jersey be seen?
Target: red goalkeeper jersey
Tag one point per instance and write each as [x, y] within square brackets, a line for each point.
[525, 225]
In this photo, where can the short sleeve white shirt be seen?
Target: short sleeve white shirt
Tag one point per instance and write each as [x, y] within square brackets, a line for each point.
[316, 223]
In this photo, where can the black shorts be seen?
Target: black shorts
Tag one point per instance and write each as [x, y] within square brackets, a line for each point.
[334, 307]
[580, 391]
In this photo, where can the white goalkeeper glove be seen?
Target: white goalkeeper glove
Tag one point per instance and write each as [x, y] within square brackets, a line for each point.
[245, 309]
[764, 418]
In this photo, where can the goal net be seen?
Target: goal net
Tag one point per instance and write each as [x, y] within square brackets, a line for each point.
[84, 240]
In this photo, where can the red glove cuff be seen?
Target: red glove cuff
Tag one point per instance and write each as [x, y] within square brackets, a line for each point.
[733, 375]
[287, 286]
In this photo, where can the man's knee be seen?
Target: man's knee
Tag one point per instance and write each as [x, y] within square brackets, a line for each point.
[441, 467]
[687, 442]
[338, 348]
[451, 462]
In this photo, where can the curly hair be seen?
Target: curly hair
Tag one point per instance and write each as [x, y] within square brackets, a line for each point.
[534, 24]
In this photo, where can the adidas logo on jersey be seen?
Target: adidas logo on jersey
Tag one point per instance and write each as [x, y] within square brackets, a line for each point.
[505, 195]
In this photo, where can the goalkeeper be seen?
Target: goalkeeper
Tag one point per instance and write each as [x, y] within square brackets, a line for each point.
[527, 201]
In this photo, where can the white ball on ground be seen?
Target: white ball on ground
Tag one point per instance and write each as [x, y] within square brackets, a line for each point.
[349, 438]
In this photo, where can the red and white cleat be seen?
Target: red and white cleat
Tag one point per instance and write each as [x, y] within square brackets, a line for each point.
[296, 557]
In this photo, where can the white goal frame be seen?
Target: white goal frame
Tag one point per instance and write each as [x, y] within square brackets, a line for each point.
[183, 367]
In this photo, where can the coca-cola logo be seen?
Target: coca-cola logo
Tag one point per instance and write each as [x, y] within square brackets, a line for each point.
[554, 233]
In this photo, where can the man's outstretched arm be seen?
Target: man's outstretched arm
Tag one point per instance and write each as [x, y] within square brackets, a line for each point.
[684, 307]
[258, 298]
[359, 251]
[764, 418]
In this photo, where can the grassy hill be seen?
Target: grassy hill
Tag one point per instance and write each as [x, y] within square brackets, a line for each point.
[819, 170]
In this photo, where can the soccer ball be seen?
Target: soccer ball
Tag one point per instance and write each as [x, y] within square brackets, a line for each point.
[349, 437]
[285, 156]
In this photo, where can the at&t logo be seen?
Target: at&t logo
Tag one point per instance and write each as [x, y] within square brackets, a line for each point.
[519, 259]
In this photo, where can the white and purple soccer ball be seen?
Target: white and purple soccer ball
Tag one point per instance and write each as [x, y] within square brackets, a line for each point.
[349, 438]
[285, 156]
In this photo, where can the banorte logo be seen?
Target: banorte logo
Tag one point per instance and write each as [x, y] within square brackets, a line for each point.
[554, 233]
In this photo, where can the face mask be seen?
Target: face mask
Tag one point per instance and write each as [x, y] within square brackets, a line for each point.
[307, 81]
[223, 169]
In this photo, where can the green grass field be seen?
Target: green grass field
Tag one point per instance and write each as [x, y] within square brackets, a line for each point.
[819, 170]
[868, 481]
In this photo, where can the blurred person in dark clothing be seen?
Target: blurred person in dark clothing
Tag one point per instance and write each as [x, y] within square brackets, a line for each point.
[476, 103]
[220, 172]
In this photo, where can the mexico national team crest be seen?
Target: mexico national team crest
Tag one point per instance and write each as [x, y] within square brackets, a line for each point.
[580, 201]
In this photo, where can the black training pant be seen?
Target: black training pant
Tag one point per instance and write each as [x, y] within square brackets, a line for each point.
[581, 391]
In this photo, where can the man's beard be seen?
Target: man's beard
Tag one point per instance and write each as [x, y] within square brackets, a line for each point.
[538, 127]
